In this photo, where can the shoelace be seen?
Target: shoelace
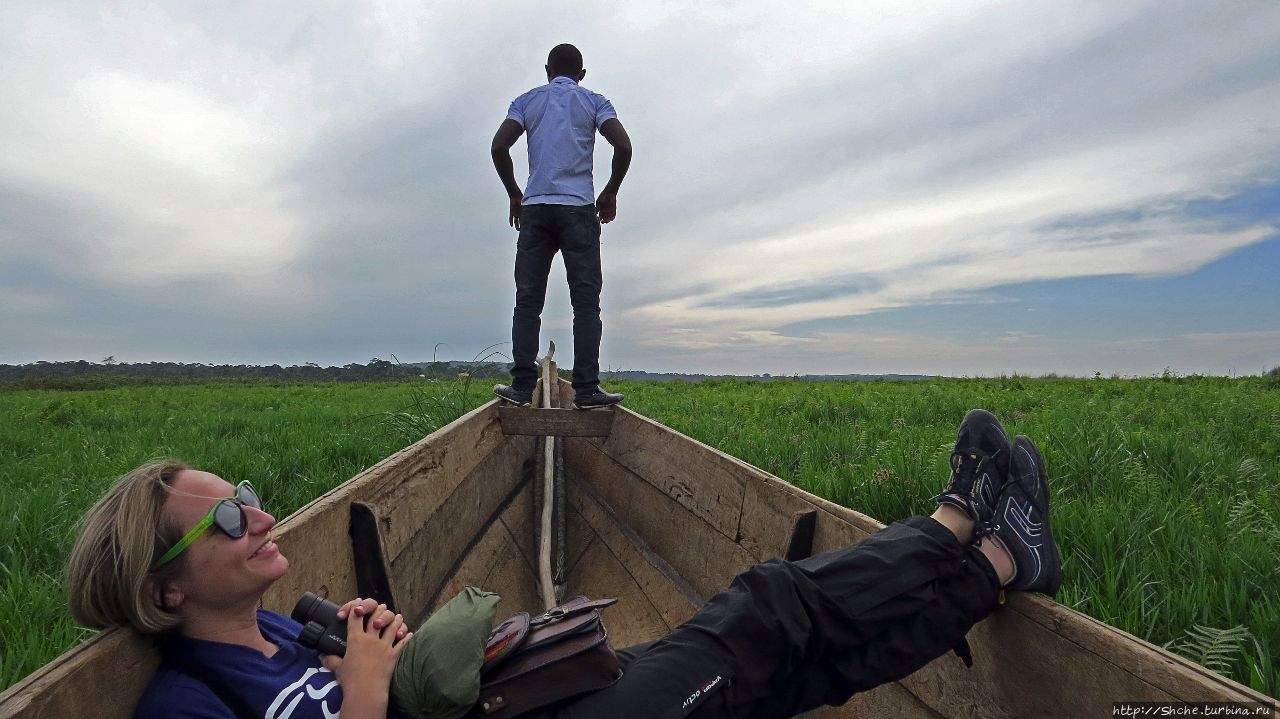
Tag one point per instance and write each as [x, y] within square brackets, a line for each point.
[972, 465]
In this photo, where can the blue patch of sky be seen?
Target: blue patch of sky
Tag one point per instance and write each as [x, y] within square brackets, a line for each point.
[1236, 293]
[1260, 203]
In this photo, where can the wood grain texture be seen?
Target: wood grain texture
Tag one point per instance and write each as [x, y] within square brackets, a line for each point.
[446, 532]
[886, 700]
[405, 492]
[767, 518]
[1182, 679]
[518, 518]
[673, 596]
[102, 677]
[634, 618]
[709, 560]
[512, 579]
[479, 568]
[697, 477]
[538, 422]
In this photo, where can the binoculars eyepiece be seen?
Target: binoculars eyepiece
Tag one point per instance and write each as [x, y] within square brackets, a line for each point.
[321, 628]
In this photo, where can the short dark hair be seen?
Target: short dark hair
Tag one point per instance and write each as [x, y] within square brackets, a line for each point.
[564, 59]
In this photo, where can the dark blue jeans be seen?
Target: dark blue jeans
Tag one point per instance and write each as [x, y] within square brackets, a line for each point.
[574, 232]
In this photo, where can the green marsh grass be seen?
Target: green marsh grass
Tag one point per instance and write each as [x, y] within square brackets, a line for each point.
[1166, 491]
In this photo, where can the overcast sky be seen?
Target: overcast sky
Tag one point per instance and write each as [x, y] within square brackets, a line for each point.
[951, 188]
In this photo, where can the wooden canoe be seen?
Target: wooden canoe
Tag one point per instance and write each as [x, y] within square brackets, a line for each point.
[653, 517]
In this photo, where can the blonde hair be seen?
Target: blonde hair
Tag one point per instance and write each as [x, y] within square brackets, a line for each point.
[109, 577]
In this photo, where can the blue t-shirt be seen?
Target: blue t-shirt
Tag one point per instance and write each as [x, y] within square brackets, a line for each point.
[291, 684]
[561, 119]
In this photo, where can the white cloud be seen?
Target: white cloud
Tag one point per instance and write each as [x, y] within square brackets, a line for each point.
[171, 138]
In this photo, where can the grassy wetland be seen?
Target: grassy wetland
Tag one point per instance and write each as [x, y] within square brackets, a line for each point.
[1166, 490]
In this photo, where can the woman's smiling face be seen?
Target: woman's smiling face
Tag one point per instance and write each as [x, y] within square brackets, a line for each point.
[219, 571]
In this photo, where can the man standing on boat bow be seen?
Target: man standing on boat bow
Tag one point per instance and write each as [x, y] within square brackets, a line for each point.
[557, 212]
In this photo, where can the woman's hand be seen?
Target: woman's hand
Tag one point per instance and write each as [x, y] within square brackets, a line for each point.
[367, 608]
[372, 651]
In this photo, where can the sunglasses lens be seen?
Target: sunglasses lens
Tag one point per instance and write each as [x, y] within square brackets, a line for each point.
[248, 495]
[229, 518]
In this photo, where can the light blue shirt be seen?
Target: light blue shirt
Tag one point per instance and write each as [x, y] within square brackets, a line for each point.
[561, 119]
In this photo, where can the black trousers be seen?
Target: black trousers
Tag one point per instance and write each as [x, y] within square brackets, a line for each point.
[787, 637]
[574, 232]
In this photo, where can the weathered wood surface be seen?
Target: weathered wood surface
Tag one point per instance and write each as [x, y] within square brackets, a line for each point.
[886, 700]
[664, 591]
[708, 560]
[445, 531]
[540, 422]
[87, 681]
[701, 482]
[671, 595]
[403, 490]
[488, 565]
[519, 519]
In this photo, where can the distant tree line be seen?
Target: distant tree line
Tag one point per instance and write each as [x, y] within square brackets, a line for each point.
[82, 374]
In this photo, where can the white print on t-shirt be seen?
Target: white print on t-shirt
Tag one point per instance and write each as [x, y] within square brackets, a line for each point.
[293, 694]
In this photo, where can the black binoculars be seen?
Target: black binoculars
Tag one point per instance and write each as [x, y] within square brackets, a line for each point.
[321, 628]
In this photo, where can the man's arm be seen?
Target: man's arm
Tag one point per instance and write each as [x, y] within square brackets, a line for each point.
[613, 131]
[508, 132]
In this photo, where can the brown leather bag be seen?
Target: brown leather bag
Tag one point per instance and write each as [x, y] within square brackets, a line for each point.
[531, 662]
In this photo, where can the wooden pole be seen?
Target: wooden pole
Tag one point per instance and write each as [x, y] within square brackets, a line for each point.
[550, 390]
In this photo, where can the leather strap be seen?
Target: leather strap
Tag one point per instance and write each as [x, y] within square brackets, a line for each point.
[505, 639]
[520, 630]
[577, 605]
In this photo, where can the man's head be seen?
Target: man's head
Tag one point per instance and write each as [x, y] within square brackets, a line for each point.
[565, 60]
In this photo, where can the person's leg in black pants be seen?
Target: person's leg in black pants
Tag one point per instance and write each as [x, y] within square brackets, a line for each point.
[580, 248]
[535, 249]
[574, 231]
[788, 637]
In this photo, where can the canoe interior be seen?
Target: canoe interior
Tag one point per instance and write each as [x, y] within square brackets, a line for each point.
[656, 519]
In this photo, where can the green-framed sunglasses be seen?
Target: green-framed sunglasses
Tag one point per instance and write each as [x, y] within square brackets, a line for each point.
[227, 515]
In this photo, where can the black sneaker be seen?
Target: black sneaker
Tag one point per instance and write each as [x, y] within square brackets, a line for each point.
[511, 394]
[979, 465]
[1022, 522]
[596, 398]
